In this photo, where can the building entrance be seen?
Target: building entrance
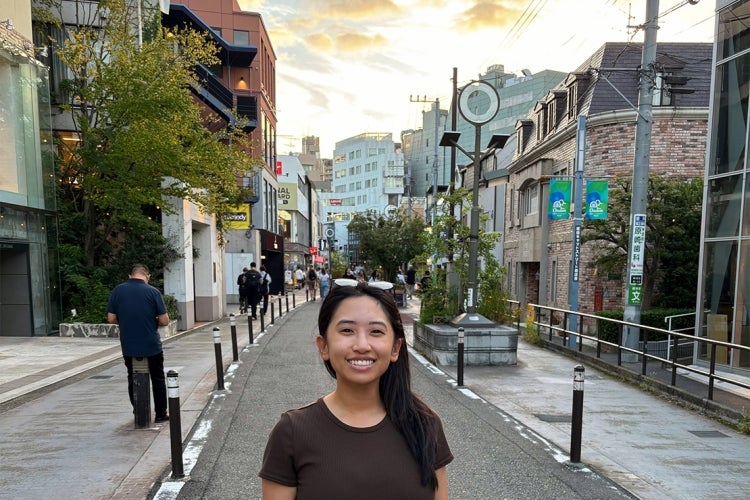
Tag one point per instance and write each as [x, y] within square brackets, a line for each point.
[15, 291]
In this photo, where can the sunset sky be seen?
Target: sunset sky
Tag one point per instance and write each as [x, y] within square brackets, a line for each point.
[345, 67]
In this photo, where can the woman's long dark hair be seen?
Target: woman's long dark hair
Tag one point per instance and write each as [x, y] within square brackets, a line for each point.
[411, 416]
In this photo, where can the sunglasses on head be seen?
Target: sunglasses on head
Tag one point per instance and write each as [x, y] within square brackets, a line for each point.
[383, 285]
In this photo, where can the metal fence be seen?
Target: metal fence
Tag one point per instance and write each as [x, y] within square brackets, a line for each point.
[673, 352]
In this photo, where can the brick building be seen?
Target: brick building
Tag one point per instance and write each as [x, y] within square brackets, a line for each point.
[537, 251]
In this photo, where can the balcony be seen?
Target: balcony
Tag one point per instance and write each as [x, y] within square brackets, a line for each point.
[221, 99]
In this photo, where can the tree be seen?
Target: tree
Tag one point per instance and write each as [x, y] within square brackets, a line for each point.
[141, 137]
[490, 298]
[387, 241]
[673, 221]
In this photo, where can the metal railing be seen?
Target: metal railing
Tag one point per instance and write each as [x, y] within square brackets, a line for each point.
[542, 319]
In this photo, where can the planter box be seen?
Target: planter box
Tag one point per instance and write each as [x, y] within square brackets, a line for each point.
[496, 345]
[105, 330]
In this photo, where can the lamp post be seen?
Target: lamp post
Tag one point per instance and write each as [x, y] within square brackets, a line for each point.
[478, 103]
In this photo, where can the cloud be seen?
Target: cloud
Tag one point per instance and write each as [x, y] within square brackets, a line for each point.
[353, 9]
[488, 14]
[355, 42]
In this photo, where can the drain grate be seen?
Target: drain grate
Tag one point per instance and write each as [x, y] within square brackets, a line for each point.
[101, 377]
[553, 418]
[709, 434]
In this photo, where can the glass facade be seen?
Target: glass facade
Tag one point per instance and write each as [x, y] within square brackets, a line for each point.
[725, 260]
[28, 227]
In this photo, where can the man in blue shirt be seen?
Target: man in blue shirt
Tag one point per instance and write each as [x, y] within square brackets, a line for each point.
[138, 308]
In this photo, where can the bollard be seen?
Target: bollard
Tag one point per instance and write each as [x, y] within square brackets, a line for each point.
[460, 356]
[262, 323]
[279, 306]
[233, 330]
[175, 427]
[307, 295]
[294, 300]
[250, 327]
[579, 373]
[141, 393]
[272, 310]
[286, 296]
[217, 352]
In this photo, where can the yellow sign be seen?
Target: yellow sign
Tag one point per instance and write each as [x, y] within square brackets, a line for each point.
[238, 218]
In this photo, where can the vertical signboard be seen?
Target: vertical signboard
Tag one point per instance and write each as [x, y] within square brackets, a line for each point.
[559, 199]
[637, 252]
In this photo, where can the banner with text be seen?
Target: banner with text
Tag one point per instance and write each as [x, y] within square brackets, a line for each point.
[559, 199]
[597, 199]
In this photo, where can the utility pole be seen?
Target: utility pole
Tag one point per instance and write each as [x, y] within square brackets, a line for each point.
[638, 204]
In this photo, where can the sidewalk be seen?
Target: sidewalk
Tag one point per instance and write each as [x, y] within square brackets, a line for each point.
[509, 427]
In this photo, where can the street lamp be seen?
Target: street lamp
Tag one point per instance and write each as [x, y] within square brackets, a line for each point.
[478, 103]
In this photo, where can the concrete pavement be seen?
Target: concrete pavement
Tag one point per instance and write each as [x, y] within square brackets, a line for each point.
[509, 427]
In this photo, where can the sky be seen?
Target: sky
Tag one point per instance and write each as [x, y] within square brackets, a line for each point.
[345, 67]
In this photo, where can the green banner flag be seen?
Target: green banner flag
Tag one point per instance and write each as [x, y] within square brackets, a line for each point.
[559, 200]
[597, 196]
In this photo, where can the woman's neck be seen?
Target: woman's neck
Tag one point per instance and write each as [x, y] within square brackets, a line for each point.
[360, 408]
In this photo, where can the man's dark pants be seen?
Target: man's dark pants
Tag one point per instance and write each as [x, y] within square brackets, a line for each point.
[158, 381]
[253, 298]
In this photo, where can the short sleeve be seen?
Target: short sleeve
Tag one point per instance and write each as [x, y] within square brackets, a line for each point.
[278, 458]
[443, 455]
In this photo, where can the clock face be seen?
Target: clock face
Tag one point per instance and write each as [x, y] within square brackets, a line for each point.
[478, 102]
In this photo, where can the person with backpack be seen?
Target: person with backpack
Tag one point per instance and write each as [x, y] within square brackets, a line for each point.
[265, 287]
[252, 283]
[311, 278]
[242, 289]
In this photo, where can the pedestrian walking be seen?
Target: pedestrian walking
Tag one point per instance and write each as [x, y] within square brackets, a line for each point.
[138, 308]
[252, 277]
[411, 280]
[265, 288]
[312, 277]
[325, 282]
[372, 437]
[242, 290]
[299, 276]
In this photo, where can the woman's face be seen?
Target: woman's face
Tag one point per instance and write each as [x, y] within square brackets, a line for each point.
[360, 343]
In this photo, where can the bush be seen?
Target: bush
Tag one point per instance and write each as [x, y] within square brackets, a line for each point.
[653, 317]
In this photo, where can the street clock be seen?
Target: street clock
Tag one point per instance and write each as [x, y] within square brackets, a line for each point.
[478, 102]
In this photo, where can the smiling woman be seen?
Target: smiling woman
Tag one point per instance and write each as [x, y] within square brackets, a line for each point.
[372, 434]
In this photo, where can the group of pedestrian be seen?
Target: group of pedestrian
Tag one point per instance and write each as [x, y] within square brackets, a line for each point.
[253, 287]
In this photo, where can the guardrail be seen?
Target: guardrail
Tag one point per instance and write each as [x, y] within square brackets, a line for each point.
[542, 318]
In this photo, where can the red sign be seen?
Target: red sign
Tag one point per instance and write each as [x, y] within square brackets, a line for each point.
[335, 201]
[278, 167]
[319, 259]
[313, 250]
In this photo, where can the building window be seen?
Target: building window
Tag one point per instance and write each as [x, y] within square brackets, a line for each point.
[531, 200]
[241, 37]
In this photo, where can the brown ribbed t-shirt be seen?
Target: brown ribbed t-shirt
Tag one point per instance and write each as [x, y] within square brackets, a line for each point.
[311, 449]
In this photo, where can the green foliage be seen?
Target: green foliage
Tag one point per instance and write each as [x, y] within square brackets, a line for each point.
[653, 317]
[338, 265]
[437, 301]
[387, 241]
[531, 333]
[143, 140]
[672, 238]
[492, 302]
[171, 303]
[743, 425]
